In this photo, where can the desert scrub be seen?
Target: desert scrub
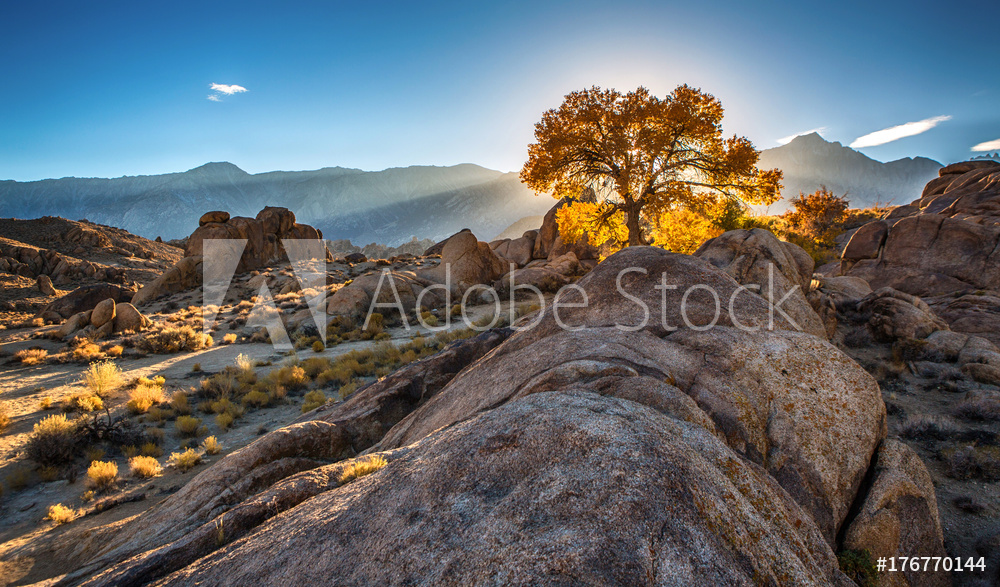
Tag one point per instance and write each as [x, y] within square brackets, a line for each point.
[229, 338]
[102, 474]
[224, 420]
[980, 409]
[4, 417]
[346, 390]
[318, 346]
[151, 449]
[102, 377]
[969, 462]
[244, 363]
[31, 356]
[313, 400]
[361, 467]
[144, 467]
[256, 398]
[83, 401]
[172, 339]
[924, 427]
[87, 352]
[184, 461]
[60, 514]
[144, 396]
[187, 425]
[53, 441]
[212, 445]
[858, 566]
[180, 404]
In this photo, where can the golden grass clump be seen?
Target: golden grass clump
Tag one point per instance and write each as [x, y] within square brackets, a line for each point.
[318, 346]
[60, 514]
[102, 474]
[31, 356]
[229, 338]
[212, 445]
[102, 377]
[187, 425]
[144, 467]
[4, 417]
[361, 468]
[180, 404]
[184, 461]
[257, 398]
[87, 352]
[93, 454]
[244, 362]
[144, 396]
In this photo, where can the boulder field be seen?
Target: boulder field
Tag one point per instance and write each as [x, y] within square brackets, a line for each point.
[620, 442]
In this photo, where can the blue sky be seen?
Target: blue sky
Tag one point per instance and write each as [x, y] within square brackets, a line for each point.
[104, 89]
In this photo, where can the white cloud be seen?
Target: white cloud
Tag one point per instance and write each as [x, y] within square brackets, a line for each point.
[790, 138]
[227, 89]
[887, 135]
[988, 146]
[214, 98]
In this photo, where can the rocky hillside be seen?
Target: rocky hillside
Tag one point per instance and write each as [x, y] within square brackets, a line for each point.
[809, 162]
[390, 206]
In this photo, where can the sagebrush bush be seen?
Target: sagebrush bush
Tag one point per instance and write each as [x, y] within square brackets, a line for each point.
[102, 474]
[313, 400]
[102, 377]
[151, 449]
[229, 338]
[982, 409]
[60, 514]
[256, 398]
[362, 467]
[318, 346]
[53, 441]
[144, 467]
[172, 339]
[179, 403]
[187, 425]
[87, 352]
[83, 401]
[184, 461]
[212, 445]
[4, 417]
[144, 396]
[224, 420]
[922, 427]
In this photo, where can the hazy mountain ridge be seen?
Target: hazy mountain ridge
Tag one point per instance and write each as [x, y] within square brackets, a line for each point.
[810, 161]
[389, 206]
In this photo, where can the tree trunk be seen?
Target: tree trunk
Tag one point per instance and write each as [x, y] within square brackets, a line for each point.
[632, 224]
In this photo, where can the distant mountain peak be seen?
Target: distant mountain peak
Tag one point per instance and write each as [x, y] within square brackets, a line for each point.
[218, 168]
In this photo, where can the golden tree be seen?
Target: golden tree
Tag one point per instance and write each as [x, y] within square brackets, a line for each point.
[638, 157]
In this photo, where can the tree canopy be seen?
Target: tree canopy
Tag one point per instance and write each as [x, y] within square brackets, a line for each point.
[625, 160]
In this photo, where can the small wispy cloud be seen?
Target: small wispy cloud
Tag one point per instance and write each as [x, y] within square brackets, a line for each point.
[987, 146]
[790, 138]
[888, 135]
[224, 90]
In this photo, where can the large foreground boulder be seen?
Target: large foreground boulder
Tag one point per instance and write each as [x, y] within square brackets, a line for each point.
[86, 298]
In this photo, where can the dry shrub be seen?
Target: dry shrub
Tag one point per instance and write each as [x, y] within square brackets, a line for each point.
[60, 514]
[115, 350]
[144, 396]
[187, 425]
[87, 352]
[313, 400]
[256, 398]
[184, 461]
[970, 462]
[212, 445]
[83, 401]
[151, 449]
[983, 409]
[361, 468]
[173, 339]
[229, 338]
[4, 417]
[224, 420]
[102, 377]
[924, 427]
[180, 404]
[31, 356]
[53, 441]
[102, 474]
[318, 346]
[144, 467]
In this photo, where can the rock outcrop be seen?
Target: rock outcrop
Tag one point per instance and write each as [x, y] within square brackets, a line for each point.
[263, 236]
[617, 442]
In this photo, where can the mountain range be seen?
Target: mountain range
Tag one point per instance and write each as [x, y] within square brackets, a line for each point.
[388, 207]
[810, 162]
[394, 205]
